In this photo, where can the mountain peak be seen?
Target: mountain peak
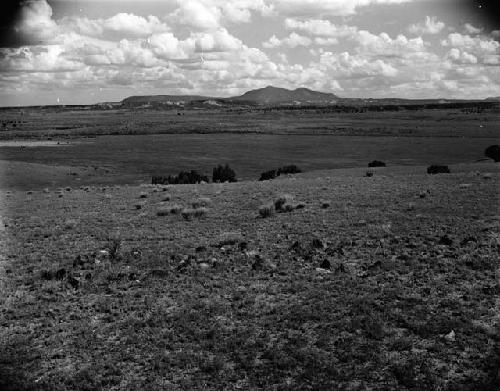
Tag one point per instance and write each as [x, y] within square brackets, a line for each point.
[278, 95]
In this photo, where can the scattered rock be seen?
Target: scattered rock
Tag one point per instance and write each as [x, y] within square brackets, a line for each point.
[465, 186]
[487, 176]
[325, 204]
[450, 336]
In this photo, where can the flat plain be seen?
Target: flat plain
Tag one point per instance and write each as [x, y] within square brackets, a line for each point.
[388, 282]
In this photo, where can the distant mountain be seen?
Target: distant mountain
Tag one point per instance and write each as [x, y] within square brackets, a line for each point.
[274, 95]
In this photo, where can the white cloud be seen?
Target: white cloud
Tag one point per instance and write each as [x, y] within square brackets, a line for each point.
[134, 25]
[292, 41]
[197, 14]
[346, 65]
[384, 45]
[47, 59]
[461, 57]
[476, 44]
[470, 29]
[35, 21]
[431, 25]
[326, 7]
[322, 28]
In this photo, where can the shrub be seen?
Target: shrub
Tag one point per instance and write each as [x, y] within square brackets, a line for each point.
[163, 212]
[143, 195]
[187, 213]
[369, 174]
[271, 174]
[175, 209]
[223, 174]
[291, 169]
[267, 175]
[266, 211]
[284, 203]
[230, 238]
[200, 212]
[183, 178]
[436, 169]
[201, 202]
[493, 152]
[376, 163]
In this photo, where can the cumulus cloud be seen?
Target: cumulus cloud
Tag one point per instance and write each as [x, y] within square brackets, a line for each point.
[346, 65]
[196, 14]
[35, 22]
[292, 41]
[326, 7]
[383, 45]
[322, 28]
[470, 29]
[431, 25]
[461, 57]
[201, 47]
[475, 44]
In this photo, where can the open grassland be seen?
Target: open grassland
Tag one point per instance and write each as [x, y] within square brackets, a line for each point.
[136, 158]
[51, 123]
[382, 283]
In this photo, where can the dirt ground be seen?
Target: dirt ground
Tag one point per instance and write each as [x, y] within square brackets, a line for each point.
[388, 282]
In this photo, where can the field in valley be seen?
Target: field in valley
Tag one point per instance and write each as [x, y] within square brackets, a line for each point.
[388, 282]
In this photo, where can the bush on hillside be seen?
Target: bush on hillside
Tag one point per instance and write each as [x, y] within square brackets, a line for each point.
[223, 174]
[271, 174]
[267, 175]
[493, 152]
[184, 177]
[376, 163]
[436, 169]
[291, 169]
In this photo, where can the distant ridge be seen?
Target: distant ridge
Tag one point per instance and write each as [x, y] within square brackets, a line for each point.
[274, 95]
[261, 96]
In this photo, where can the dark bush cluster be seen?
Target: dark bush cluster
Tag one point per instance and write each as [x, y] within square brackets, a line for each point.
[271, 174]
[493, 152]
[376, 163]
[184, 177]
[267, 175]
[223, 174]
[435, 169]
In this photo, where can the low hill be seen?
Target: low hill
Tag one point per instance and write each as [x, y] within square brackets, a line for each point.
[155, 99]
[274, 95]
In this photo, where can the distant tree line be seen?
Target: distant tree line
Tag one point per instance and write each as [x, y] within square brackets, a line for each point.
[220, 174]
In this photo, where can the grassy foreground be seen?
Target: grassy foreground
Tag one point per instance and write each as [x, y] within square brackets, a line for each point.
[388, 282]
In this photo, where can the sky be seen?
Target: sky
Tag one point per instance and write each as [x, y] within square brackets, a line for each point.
[89, 51]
